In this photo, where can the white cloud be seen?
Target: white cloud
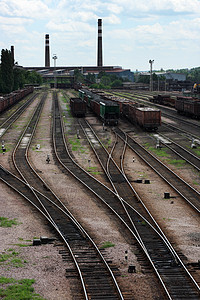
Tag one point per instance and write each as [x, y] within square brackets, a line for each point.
[114, 8]
[33, 8]
[14, 21]
[69, 26]
[158, 6]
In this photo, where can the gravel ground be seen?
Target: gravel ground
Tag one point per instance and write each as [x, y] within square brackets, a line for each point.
[44, 263]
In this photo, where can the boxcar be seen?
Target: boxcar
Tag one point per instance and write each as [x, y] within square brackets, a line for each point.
[78, 107]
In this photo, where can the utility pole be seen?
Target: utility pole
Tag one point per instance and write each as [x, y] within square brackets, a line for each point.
[151, 77]
[54, 58]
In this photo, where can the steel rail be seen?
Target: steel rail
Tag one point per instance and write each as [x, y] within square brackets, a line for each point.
[178, 258]
[190, 135]
[58, 118]
[155, 270]
[9, 121]
[164, 167]
[137, 233]
[45, 211]
[106, 170]
[136, 237]
[173, 251]
[180, 149]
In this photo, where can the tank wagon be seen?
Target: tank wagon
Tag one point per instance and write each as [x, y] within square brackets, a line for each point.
[8, 100]
[78, 107]
[188, 106]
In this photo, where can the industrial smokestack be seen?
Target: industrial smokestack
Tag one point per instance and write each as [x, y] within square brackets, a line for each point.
[99, 51]
[47, 54]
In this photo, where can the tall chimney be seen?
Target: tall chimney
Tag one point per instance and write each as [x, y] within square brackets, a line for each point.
[47, 54]
[99, 51]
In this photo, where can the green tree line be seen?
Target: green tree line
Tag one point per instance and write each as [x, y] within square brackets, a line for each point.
[13, 77]
[102, 81]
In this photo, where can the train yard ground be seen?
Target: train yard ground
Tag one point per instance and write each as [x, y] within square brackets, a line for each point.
[179, 221]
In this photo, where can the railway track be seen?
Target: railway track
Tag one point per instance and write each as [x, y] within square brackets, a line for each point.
[99, 280]
[96, 277]
[185, 125]
[185, 190]
[5, 125]
[166, 263]
[58, 215]
[179, 150]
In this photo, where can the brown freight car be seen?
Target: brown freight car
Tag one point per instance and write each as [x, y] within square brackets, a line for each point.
[78, 107]
[148, 117]
[95, 106]
[188, 106]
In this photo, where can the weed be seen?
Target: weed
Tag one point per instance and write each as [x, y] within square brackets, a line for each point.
[107, 245]
[21, 239]
[18, 289]
[176, 162]
[195, 182]
[23, 245]
[5, 222]
[11, 259]
[159, 152]
[16, 262]
[197, 152]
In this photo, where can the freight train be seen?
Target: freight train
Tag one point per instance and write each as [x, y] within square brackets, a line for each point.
[186, 105]
[163, 99]
[110, 110]
[8, 100]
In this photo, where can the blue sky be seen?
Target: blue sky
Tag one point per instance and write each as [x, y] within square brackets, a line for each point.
[134, 31]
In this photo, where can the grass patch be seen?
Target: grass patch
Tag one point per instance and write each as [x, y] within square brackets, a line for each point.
[76, 145]
[23, 245]
[176, 162]
[159, 152]
[96, 173]
[93, 171]
[195, 182]
[197, 152]
[21, 239]
[18, 289]
[5, 222]
[63, 99]
[107, 245]
[11, 258]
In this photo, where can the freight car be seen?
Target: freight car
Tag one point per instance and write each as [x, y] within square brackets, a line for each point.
[78, 107]
[107, 111]
[188, 106]
[8, 100]
[146, 117]
[163, 99]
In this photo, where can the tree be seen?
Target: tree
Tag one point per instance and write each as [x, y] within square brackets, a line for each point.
[116, 83]
[78, 76]
[7, 76]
